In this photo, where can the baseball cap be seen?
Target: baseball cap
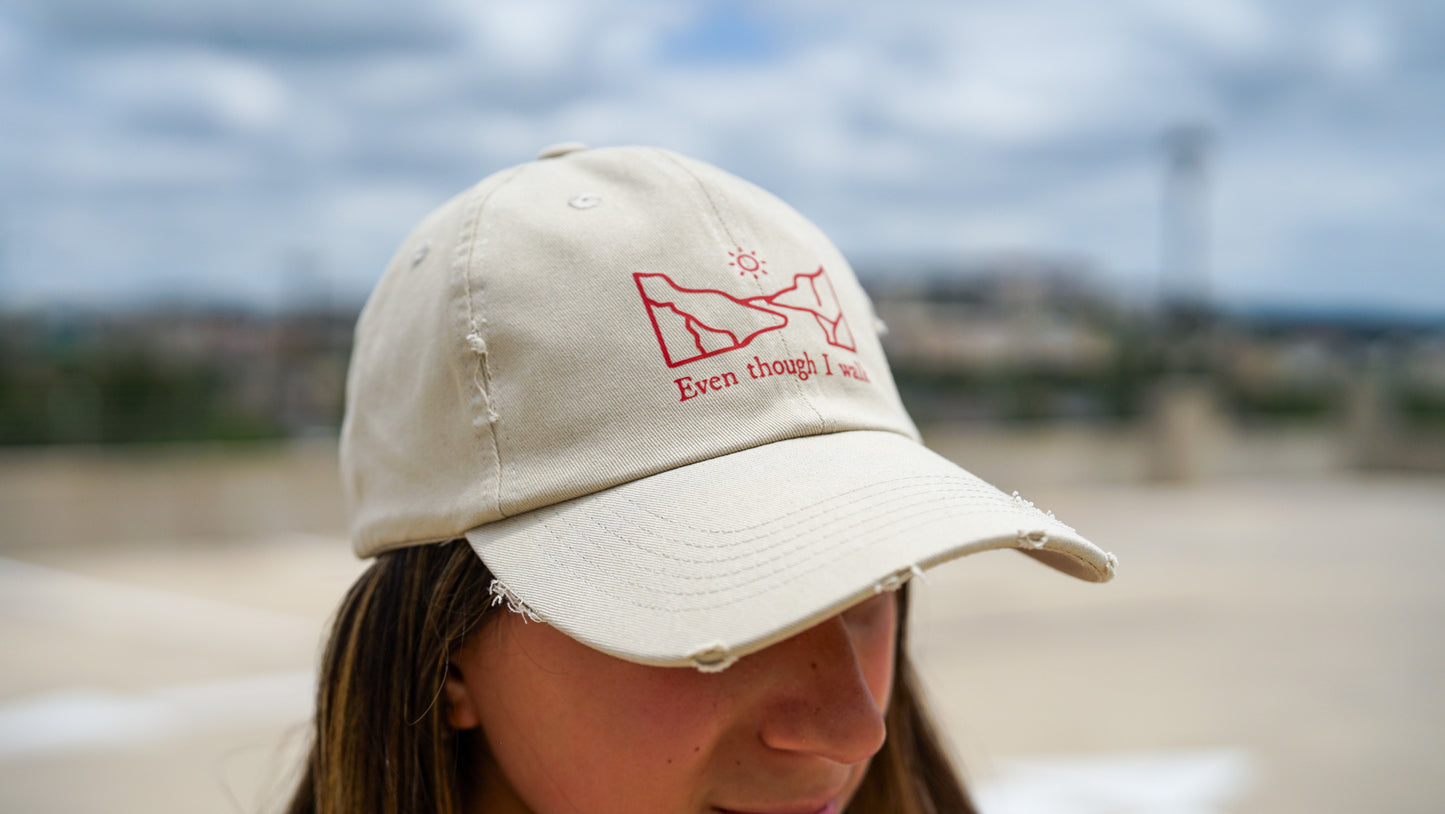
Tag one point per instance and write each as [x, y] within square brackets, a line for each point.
[653, 399]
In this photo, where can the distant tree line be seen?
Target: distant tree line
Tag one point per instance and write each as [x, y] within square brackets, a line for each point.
[170, 377]
[234, 376]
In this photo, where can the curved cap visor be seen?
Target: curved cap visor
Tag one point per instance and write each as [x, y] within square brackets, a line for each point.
[705, 563]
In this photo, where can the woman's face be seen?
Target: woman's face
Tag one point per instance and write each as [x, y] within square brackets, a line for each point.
[787, 730]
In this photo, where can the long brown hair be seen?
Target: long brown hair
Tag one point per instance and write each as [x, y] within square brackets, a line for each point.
[381, 743]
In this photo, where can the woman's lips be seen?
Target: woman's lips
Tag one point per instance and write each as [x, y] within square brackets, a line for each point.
[830, 807]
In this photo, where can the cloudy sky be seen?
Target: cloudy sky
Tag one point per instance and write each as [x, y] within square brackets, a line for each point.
[261, 151]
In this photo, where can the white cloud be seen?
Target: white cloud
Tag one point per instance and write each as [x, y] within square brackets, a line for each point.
[925, 127]
[1232, 27]
[1355, 42]
[1274, 207]
[203, 86]
[530, 37]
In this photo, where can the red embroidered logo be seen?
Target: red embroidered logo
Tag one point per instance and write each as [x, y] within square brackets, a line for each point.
[695, 323]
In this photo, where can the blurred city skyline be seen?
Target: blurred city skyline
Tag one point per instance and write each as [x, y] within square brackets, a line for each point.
[270, 154]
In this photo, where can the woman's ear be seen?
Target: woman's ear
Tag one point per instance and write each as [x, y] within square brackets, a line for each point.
[461, 711]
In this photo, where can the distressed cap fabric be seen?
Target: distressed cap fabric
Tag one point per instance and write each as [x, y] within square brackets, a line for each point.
[652, 397]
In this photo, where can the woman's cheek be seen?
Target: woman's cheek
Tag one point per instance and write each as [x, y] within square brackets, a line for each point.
[583, 732]
[655, 722]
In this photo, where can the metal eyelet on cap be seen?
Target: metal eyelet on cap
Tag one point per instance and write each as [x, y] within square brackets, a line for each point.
[559, 150]
[586, 201]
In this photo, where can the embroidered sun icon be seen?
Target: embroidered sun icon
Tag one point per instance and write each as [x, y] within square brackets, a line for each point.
[747, 263]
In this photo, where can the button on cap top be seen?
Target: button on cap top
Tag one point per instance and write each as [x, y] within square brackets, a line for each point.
[557, 150]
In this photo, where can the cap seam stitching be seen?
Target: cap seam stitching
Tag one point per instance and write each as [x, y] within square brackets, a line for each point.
[915, 498]
[893, 484]
[797, 573]
[475, 324]
[796, 387]
[818, 509]
[717, 213]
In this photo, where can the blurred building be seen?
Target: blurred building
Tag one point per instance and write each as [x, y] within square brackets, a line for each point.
[1020, 336]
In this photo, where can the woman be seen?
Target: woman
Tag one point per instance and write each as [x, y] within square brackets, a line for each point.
[642, 495]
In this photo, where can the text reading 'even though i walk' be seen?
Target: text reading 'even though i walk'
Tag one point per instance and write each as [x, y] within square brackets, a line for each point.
[804, 368]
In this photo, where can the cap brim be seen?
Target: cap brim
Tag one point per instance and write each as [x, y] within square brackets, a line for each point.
[705, 563]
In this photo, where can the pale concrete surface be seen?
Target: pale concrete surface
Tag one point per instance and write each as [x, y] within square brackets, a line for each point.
[104, 495]
[1272, 643]
[1296, 620]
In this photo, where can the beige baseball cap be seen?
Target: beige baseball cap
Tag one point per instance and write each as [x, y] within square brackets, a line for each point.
[652, 397]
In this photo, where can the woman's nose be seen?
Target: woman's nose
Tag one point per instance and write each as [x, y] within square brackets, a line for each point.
[824, 702]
